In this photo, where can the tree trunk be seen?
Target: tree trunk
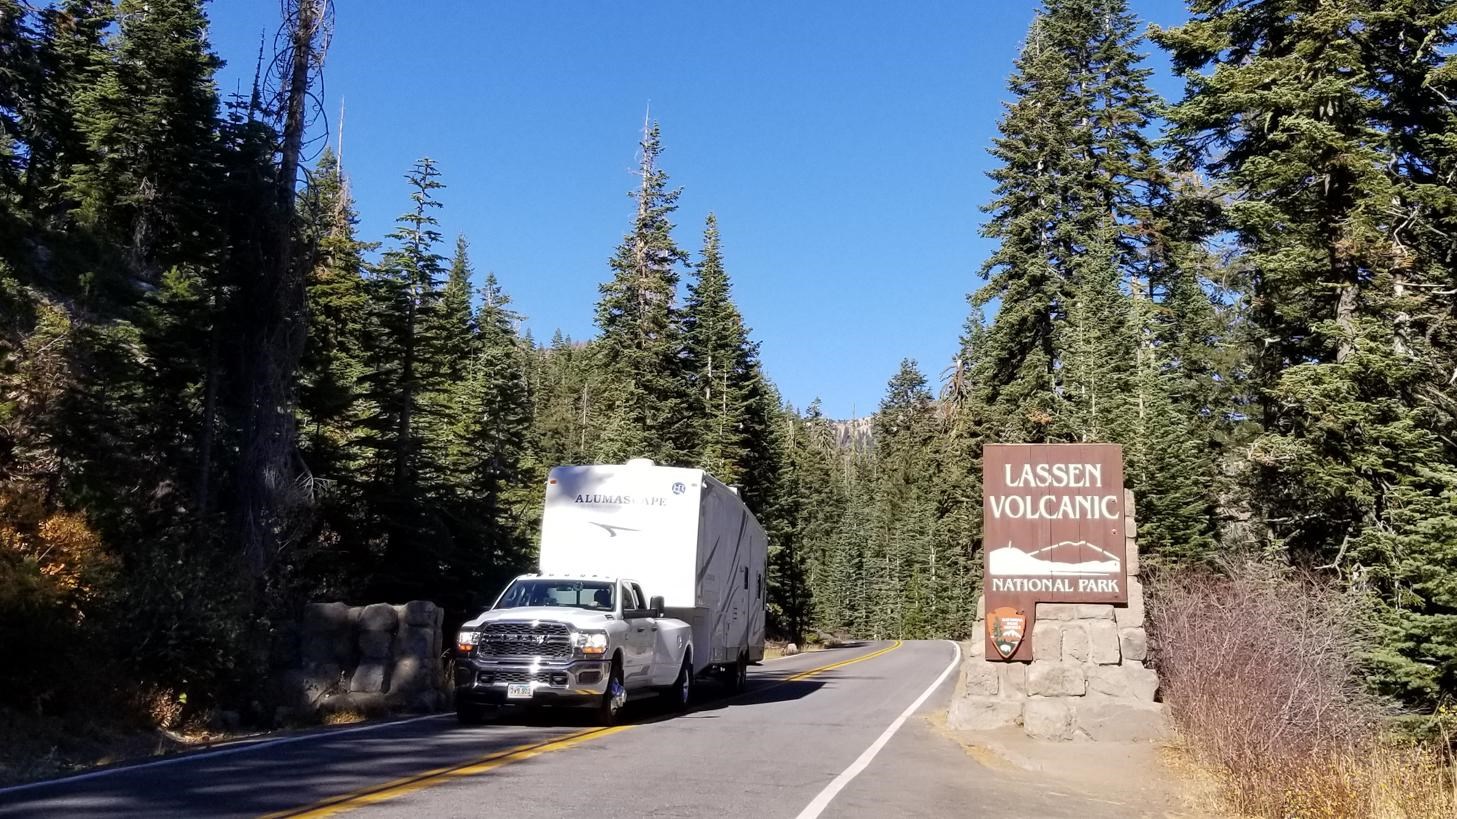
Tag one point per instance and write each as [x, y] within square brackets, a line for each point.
[269, 494]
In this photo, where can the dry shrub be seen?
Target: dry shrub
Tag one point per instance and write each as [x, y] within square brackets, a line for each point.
[1261, 670]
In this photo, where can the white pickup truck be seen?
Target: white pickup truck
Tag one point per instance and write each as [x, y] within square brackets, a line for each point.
[584, 631]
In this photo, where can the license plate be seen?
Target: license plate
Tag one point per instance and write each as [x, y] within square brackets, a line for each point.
[518, 691]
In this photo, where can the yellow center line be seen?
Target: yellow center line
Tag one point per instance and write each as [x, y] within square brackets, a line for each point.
[862, 658]
[374, 794]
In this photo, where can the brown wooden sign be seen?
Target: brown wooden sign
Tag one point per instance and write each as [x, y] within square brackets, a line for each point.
[1052, 532]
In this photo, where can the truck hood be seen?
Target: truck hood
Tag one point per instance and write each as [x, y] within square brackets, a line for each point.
[580, 619]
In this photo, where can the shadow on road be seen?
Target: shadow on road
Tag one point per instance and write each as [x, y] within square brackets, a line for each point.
[710, 696]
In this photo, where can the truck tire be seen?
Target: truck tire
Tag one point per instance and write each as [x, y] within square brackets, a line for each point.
[681, 692]
[609, 710]
[467, 713]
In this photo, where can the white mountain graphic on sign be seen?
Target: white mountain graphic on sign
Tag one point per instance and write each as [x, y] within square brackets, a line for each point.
[1009, 560]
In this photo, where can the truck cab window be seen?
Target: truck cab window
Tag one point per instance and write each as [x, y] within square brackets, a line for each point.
[568, 593]
[629, 598]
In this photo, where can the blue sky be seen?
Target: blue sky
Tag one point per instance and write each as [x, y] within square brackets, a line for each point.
[841, 144]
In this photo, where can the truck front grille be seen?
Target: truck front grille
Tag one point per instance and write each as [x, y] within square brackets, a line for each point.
[524, 640]
[504, 677]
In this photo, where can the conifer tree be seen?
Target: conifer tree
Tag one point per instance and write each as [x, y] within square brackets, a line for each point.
[1337, 215]
[722, 366]
[151, 127]
[331, 406]
[563, 405]
[72, 57]
[501, 421]
[453, 405]
[1099, 390]
[17, 70]
[641, 345]
[405, 371]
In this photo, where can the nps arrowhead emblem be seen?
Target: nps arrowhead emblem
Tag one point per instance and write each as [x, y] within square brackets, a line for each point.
[1006, 626]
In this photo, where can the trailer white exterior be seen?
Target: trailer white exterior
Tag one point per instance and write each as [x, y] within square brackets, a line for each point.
[680, 532]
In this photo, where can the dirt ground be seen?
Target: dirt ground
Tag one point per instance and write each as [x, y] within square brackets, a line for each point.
[1157, 778]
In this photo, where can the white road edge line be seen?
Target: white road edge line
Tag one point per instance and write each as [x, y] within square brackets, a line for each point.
[822, 801]
[243, 747]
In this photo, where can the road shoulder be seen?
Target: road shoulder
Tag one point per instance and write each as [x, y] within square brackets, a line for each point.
[1143, 778]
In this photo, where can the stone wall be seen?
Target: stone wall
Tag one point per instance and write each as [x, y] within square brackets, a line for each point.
[368, 659]
[1087, 678]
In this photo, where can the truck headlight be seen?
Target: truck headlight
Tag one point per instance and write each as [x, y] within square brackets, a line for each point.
[590, 642]
[465, 641]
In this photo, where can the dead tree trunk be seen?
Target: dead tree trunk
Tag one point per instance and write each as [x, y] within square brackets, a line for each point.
[271, 495]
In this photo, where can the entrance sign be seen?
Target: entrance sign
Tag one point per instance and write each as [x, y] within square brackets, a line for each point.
[1052, 533]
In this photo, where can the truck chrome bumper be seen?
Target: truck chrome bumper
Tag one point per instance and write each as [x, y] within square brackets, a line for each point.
[571, 682]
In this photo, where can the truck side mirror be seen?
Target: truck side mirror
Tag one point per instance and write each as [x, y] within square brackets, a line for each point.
[656, 605]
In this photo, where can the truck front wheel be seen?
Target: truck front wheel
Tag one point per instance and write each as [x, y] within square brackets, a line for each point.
[613, 699]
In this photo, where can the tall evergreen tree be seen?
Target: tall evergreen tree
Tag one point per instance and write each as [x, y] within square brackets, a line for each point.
[501, 423]
[641, 344]
[452, 416]
[72, 57]
[331, 406]
[722, 366]
[151, 127]
[1337, 208]
[17, 72]
[405, 371]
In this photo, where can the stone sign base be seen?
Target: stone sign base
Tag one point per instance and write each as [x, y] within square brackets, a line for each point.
[1086, 680]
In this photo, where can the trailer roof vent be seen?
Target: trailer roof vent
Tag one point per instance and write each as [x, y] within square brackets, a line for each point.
[641, 462]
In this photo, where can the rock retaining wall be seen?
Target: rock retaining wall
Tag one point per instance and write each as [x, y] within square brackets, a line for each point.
[1087, 678]
[368, 659]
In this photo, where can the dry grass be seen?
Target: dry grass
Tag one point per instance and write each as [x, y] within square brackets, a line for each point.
[1261, 672]
[346, 716]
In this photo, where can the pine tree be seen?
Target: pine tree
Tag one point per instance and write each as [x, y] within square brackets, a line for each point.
[722, 366]
[17, 71]
[405, 370]
[641, 344]
[450, 422]
[501, 426]
[151, 127]
[331, 406]
[903, 544]
[1099, 388]
[1348, 242]
[72, 58]
[563, 405]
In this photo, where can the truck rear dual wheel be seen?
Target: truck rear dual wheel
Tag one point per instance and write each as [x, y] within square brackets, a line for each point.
[681, 693]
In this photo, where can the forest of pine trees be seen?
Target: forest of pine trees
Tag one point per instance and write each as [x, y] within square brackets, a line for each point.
[218, 401]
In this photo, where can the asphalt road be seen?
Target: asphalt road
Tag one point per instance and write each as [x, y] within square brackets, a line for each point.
[812, 735]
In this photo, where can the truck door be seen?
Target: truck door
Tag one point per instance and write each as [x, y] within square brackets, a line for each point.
[637, 661]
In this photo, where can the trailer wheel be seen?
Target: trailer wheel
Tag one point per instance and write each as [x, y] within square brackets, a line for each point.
[736, 675]
[613, 699]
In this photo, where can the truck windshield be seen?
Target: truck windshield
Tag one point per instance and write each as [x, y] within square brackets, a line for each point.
[574, 593]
